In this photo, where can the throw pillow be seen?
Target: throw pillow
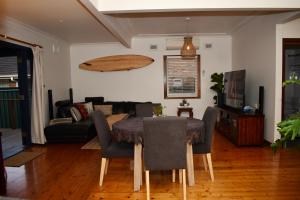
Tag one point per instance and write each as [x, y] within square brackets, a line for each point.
[89, 107]
[84, 113]
[106, 109]
[75, 114]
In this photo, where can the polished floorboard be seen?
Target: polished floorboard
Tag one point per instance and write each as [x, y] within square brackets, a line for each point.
[65, 171]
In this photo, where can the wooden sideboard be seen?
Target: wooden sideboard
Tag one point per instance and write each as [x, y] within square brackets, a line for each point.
[239, 127]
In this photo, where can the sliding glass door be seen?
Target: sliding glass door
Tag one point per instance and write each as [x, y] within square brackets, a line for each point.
[15, 97]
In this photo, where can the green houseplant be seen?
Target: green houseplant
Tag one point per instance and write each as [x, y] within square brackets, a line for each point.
[289, 128]
[218, 87]
[158, 110]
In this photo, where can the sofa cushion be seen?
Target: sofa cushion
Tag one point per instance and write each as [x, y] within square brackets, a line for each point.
[75, 114]
[89, 108]
[63, 103]
[63, 111]
[83, 112]
[117, 106]
[106, 109]
[95, 100]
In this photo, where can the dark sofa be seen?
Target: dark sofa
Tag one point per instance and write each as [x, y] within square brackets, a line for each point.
[82, 131]
[123, 107]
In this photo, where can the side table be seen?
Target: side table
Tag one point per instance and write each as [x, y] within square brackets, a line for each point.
[185, 109]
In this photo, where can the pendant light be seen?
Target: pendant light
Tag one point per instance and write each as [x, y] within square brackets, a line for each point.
[188, 49]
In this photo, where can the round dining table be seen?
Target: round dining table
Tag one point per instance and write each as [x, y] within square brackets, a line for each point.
[131, 130]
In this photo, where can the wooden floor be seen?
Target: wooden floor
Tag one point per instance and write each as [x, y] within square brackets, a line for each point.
[67, 172]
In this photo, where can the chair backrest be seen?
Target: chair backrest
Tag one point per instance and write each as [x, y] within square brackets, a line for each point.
[144, 110]
[164, 143]
[102, 129]
[209, 118]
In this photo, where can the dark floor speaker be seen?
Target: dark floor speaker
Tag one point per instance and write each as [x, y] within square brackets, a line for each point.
[71, 95]
[261, 99]
[50, 100]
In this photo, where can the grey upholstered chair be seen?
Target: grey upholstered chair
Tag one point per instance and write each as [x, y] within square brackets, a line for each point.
[209, 118]
[109, 148]
[144, 110]
[165, 146]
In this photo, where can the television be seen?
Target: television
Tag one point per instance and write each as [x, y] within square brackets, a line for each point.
[234, 89]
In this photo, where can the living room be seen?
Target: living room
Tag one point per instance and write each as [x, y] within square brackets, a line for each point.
[252, 42]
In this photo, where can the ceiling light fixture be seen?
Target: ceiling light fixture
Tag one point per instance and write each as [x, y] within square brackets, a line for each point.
[188, 49]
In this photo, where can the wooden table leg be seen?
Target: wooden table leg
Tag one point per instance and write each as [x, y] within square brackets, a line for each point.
[141, 165]
[137, 167]
[190, 164]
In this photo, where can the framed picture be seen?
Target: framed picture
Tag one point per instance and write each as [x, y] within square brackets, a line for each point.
[181, 77]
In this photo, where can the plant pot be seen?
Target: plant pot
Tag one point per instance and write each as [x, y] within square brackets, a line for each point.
[220, 97]
[292, 144]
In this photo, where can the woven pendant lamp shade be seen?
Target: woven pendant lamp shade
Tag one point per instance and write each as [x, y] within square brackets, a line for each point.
[188, 49]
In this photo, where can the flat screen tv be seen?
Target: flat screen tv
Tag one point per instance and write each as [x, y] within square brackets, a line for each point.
[234, 89]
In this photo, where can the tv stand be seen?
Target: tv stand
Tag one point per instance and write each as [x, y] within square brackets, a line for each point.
[239, 127]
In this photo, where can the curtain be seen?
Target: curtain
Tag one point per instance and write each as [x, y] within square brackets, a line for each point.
[37, 107]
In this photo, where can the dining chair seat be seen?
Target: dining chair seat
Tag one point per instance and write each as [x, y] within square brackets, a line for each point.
[109, 147]
[119, 149]
[165, 146]
[209, 118]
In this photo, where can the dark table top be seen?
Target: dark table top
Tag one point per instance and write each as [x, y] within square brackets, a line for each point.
[131, 130]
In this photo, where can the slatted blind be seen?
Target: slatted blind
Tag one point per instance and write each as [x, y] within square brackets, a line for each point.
[8, 66]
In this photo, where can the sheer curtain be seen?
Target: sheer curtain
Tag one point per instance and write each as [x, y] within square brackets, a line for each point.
[37, 107]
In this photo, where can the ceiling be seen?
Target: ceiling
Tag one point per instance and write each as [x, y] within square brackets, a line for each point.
[66, 19]
[70, 20]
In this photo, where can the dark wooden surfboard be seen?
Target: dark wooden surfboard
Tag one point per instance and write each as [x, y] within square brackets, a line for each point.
[116, 63]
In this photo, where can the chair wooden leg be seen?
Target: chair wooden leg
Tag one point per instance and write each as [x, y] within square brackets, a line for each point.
[137, 167]
[141, 169]
[173, 175]
[147, 184]
[102, 170]
[180, 176]
[211, 172]
[106, 165]
[184, 184]
[204, 162]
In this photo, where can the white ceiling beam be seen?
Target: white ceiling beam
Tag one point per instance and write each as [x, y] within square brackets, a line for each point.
[110, 23]
[127, 6]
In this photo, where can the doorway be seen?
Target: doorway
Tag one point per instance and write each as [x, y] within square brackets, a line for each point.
[290, 68]
[15, 97]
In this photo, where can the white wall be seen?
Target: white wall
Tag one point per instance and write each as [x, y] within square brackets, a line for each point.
[145, 84]
[254, 49]
[56, 64]
[287, 30]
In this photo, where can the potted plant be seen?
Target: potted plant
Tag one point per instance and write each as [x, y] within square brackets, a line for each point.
[158, 110]
[289, 128]
[218, 87]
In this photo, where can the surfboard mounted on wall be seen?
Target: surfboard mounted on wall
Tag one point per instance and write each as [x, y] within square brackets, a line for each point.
[116, 63]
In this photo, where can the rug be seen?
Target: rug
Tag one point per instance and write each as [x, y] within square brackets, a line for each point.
[92, 144]
[21, 158]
